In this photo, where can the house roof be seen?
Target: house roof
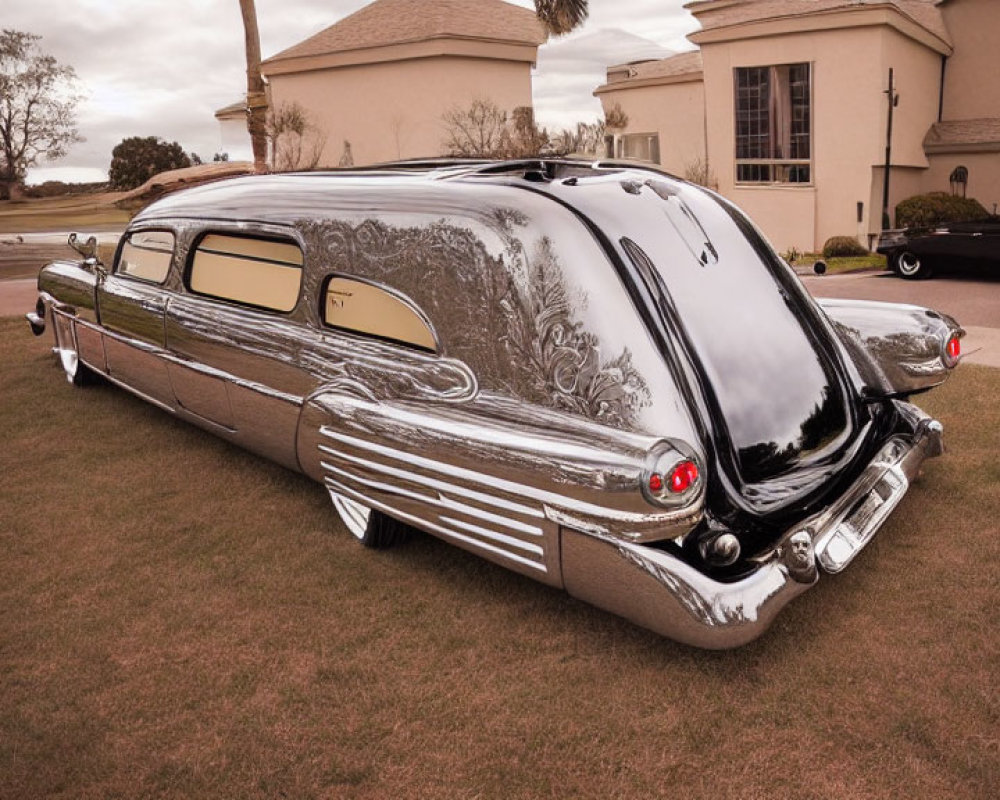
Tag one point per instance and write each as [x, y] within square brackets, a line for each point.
[717, 14]
[964, 136]
[673, 69]
[680, 64]
[239, 108]
[390, 22]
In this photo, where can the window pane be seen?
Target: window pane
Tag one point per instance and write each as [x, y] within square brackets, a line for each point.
[772, 123]
[642, 146]
[753, 120]
[258, 272]
[146, 255]
[363, 308]
[798, 77]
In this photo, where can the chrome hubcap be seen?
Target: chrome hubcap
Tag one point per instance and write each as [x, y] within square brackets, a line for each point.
[909, 264]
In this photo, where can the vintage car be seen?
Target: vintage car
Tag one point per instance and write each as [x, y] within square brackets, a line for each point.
[916, 253]
[593, 374]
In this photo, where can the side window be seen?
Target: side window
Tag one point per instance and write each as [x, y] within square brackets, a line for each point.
[146, 255]
[367, 309]
[256, 272]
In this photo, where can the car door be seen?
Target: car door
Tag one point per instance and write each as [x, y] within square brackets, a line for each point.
[130, 303]
[234, 335]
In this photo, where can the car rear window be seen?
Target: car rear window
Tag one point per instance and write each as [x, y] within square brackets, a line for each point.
[371, 310]
[258, 272]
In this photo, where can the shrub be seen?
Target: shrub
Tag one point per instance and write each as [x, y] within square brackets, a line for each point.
[936, 208]
[842, 247]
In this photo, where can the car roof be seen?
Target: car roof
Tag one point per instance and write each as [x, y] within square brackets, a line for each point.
[279, 197]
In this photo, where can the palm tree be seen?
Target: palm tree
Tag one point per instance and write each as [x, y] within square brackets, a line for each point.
[256, 98]
[558, 16]
[561, 16]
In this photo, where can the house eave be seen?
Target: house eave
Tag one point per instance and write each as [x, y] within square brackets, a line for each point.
[836, 19]
[657, 80]
[497, 50]
[944, 148]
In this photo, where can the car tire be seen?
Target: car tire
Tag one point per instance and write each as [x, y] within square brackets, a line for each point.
[910, 266]
[369, 526]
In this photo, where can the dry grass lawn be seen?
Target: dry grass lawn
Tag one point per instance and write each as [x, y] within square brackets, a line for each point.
[180, 619]
[78, 212]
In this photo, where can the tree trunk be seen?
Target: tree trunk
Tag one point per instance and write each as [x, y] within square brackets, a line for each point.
[256, 97]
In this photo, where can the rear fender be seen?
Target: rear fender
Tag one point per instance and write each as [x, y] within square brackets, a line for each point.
[898, 349]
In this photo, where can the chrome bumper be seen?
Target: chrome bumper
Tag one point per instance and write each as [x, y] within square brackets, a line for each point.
[659, 591]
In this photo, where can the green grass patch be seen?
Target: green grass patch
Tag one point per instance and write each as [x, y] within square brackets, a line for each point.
[181, 619]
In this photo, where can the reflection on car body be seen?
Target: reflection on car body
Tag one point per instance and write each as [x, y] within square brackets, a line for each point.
[595, 375]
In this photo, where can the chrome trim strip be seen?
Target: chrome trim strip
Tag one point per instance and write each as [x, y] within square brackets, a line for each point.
[437, 529]
[472, 511]
[444, 502]
[433, 483]
[137, 393]
[519, 489]
[520, 544]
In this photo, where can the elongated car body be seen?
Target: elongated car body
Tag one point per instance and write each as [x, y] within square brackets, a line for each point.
[596, 375]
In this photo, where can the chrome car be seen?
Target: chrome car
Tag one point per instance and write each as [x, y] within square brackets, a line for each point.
[596, 375]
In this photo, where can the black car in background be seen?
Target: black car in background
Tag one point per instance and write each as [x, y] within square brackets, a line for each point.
[916, 253]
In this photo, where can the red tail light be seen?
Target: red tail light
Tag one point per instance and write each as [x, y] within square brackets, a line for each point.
[954, 348]
[683, 476]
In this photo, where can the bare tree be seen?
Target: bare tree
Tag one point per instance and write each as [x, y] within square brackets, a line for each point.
[296, 143]
[484, 130]
[256, 96]
[38, 98]
[477, 131]
[698, 171]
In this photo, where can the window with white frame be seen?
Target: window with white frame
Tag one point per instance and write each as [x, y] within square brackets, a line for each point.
[638, 146]
[773, 124]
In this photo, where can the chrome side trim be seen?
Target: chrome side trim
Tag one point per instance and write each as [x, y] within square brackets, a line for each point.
[501, 535]
[137, 393]
[543, 496]
[440, 530]
[499, 502]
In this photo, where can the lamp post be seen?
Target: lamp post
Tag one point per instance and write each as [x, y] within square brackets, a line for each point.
[893, 102]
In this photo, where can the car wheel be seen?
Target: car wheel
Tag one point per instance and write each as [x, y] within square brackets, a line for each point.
[370, 527]
[910, 266]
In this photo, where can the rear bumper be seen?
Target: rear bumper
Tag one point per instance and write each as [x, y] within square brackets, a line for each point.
[660, 592]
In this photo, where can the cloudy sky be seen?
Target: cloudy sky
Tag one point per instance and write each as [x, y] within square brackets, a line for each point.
[162, 67]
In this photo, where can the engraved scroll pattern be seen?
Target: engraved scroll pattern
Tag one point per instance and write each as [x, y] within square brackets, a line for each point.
[509, 316]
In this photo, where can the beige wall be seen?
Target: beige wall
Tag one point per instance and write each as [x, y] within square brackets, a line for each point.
[849, 74]
[971, 86]
[676, 111]
[393, 109]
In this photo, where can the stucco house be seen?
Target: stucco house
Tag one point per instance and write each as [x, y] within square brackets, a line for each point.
[234, 140]
[383, 77]
[785, 106]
